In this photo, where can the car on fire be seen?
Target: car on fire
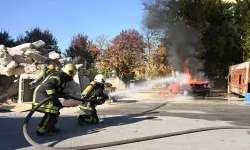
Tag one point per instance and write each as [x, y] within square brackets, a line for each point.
[194, 88]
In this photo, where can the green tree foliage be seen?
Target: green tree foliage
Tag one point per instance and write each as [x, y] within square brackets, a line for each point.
[39, 34]
[6, 40]
[93, 71]
[242, 19]
[223, 29]
[125, 54]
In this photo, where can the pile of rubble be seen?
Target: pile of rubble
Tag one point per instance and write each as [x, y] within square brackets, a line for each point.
[28, 58]
[25, 58]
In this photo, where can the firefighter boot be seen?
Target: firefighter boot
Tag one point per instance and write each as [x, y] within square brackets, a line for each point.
[81, 119]
[47, 125]
[50, 132]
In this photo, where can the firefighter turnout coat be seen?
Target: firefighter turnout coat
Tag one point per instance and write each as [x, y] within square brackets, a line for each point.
[52, 85]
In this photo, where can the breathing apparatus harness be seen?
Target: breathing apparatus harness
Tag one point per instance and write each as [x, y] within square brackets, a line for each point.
[45, 68]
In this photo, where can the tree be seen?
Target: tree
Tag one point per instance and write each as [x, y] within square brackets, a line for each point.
[218, 44]
[125, 55]
[39, 34]
[94, 50]
[82, 49]
[78, 49]
[156, 64]
[242, 18]
[102, 42]
[218, 32]
[6, 40]
[181, 41]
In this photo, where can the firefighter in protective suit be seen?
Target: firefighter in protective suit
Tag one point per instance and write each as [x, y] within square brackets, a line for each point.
[95, 93]
[42, 75]
[52, 86]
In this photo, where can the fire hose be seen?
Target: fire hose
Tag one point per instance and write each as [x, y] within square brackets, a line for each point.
[115, 143]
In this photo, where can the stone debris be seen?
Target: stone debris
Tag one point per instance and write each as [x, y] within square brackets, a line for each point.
[27, 58]
[2, 51]
[37, 57]
[5, 71]
[53, 55]
[5, 58]
[12, 65]
[24, 57]
[38, 44]
[23, 47]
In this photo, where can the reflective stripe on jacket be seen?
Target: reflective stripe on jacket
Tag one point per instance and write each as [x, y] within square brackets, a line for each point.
[51, 85]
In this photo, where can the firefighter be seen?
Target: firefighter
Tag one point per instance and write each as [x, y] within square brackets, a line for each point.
[52, 86]
[95, 93]
[42, 75]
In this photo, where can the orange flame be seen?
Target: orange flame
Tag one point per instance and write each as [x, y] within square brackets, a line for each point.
[187, 72]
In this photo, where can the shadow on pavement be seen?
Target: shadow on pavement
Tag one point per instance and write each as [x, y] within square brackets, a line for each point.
[12, 135]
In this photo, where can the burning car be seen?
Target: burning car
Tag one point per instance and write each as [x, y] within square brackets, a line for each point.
[197, 88]
[192, 86]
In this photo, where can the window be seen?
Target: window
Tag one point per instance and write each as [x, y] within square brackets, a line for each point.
[240, 79]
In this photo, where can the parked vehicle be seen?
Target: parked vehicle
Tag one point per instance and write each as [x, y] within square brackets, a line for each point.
[238, 79]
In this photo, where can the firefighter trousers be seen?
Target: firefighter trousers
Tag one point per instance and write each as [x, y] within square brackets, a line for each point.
[90, 115]
[49, 120]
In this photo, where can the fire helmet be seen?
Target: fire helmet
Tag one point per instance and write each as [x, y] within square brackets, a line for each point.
[69, 69]
[99, 78]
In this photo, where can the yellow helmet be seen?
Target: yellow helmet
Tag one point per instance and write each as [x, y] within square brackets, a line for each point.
[51, 67]
[69, 69]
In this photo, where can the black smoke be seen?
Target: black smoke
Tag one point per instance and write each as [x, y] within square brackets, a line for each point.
[182, 40]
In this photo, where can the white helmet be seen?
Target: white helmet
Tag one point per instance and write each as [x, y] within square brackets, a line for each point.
[99, 78]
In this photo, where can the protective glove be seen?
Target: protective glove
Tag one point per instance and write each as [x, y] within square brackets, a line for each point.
[100, 102]
[83, 96]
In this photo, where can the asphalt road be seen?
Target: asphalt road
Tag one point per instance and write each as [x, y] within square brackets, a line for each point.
[119, 122]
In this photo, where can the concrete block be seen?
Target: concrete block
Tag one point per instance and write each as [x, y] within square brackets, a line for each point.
[12, 52]
[38, 44]
[30, 68]
[22, 59]
[3, 96]
[28, 52]
[53, 55]
[44, 52]
[23, 47]
[37, 57]
[18, 71]
[12, 65]
[2, 51]
[5, 60]
[13, 89]
[5, 71]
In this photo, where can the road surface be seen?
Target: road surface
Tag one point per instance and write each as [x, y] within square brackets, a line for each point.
[119, 123]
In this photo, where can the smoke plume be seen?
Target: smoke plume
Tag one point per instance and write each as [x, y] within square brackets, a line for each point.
[182, 40]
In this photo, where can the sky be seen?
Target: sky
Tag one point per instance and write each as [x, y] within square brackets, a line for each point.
[67, 17]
